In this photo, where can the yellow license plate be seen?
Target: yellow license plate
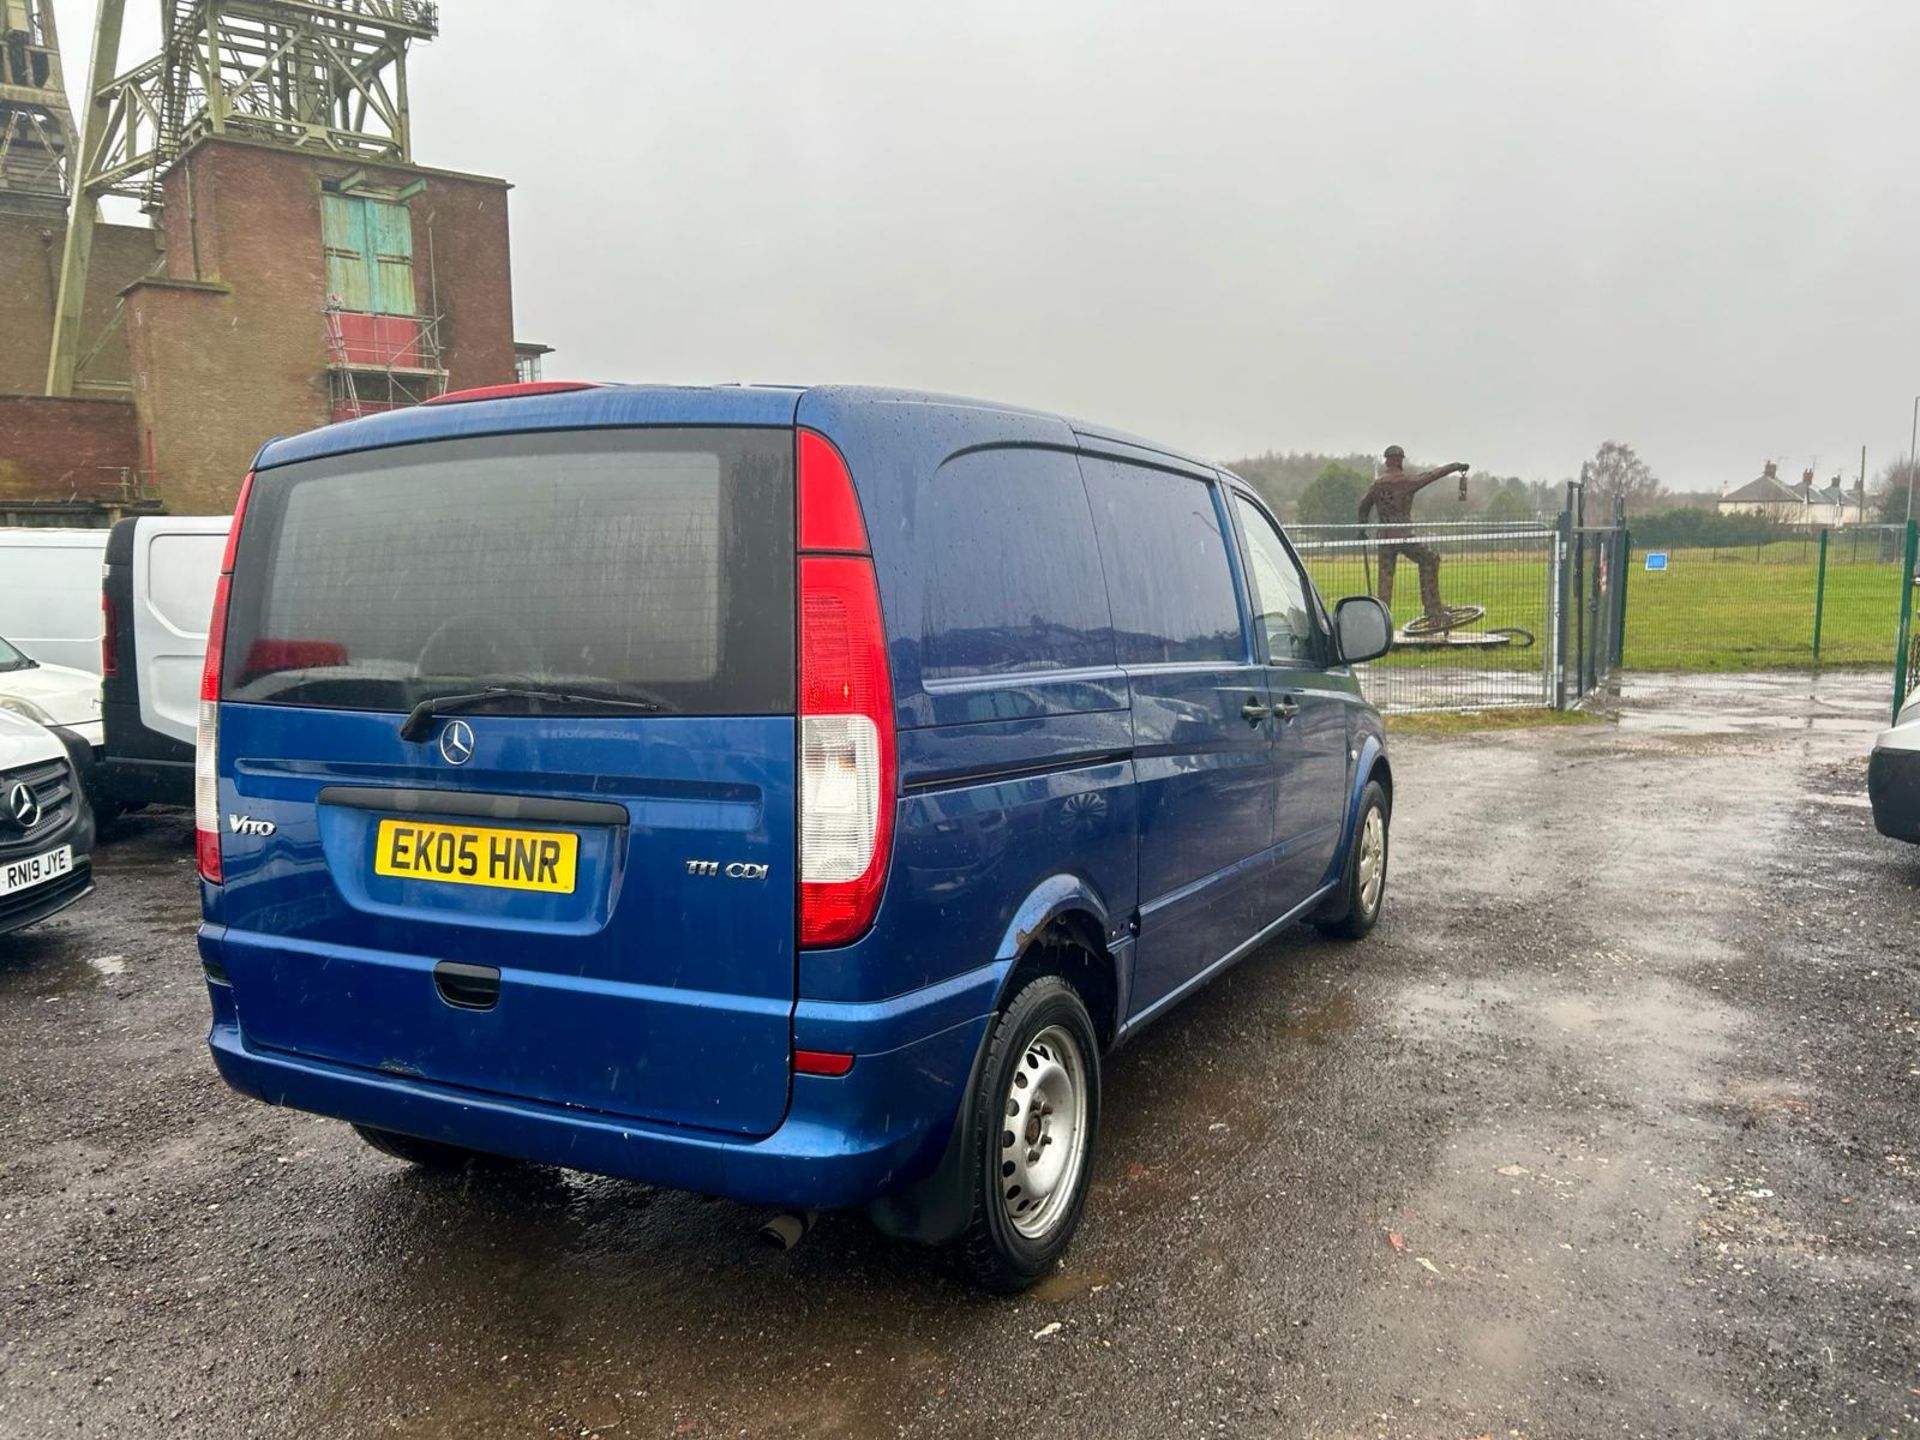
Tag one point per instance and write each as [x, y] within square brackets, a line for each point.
[477, 855]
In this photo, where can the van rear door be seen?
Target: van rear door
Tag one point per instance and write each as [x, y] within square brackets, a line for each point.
[576, 884]
[175, 563]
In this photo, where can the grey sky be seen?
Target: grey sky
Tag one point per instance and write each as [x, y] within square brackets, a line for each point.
[1500, 232]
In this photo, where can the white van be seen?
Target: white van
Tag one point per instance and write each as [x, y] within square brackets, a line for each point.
[156, 595]
[50, 594]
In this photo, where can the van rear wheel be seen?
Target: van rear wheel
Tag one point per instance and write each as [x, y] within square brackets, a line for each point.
[1036, 1118]
[428, 1154]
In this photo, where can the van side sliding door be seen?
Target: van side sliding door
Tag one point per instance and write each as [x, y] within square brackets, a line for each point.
[1202, 740]
[1309, 709]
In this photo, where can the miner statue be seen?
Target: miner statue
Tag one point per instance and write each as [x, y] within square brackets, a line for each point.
[1392, 495]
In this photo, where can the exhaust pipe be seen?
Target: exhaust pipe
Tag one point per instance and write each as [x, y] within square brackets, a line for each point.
[788, 1228]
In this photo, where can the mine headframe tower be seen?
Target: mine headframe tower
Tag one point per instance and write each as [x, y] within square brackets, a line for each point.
[320, 76]
[38, 142]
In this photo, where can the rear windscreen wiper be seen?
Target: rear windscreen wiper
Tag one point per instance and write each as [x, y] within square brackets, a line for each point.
[414, 727]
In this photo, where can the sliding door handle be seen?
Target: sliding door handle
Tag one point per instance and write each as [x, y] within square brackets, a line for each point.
[1253, 712]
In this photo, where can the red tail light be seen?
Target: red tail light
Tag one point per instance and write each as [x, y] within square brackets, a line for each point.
[510, 392]
[847, 765]
[829, 509]
[206, 750]
[109, 640]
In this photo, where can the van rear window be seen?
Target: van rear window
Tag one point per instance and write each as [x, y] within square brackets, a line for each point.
[645, 564]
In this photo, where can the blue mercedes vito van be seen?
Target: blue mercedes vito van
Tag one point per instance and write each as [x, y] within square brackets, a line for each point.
[775, 793]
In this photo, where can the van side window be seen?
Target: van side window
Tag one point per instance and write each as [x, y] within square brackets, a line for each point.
[1282, 611]
[1013, 580]
[1166, 562]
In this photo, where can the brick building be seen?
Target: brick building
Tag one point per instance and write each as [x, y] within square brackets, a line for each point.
[281, 287]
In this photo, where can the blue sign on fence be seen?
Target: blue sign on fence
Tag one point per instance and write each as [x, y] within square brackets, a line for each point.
[1656, 559]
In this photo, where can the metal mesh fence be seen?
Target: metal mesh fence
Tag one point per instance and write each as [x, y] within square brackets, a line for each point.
[1493, 640]
[1541, 613]
[1799, 596]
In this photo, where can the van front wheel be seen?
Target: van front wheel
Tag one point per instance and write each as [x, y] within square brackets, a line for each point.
[428, 1154]
[1352, 910]
[1036, 1117]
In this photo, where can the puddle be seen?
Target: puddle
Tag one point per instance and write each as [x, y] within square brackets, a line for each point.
[1319, 1024]
[44, 962]
[1069, 1285]
[1854, 802]
[1759, 703]
[109, 965]
[1720, 722]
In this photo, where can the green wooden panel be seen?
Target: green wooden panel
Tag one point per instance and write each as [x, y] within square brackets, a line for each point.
[369, 254]
[390, 230]
[349, 262]
[391, 227]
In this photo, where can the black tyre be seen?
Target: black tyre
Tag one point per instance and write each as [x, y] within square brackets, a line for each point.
[1036, 1117]
[1515, 636]
[428, 1154]
[1354, 908]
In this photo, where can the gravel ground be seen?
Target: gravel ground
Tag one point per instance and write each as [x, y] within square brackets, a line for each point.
[1611, 1128]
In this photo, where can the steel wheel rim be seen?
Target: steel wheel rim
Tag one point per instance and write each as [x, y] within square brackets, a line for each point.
[1043, 1133]
[1372, 860]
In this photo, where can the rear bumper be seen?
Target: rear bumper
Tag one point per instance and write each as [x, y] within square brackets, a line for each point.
[845, 1141]
[1893, 785]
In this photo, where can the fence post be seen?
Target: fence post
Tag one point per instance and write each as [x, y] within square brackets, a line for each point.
[1906, 618]
[1819, 594]
[1620, 618]
[1577, 503]
[1549, 636]
[1562, 560]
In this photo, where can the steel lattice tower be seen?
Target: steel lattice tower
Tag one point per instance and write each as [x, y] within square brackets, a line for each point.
[37, 134]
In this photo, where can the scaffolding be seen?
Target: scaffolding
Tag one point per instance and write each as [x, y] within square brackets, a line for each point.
[381, 362]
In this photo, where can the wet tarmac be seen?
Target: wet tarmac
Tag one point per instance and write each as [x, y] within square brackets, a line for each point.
[1611, 1128]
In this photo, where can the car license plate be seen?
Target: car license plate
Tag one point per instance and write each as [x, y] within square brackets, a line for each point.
[35, 870]
[477, 855]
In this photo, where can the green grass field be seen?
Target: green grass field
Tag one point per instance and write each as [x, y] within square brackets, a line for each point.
[1468, 722]
[1731, 609]
[1710, 611]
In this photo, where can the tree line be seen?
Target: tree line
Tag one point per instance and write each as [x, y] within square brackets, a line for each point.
[1316, 489]
[1313, 488]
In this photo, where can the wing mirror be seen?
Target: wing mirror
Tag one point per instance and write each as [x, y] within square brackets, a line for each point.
[1362, 629]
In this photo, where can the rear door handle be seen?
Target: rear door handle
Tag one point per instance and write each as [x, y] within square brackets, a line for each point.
[467, 987]
[1253, 712]
[1286, 707]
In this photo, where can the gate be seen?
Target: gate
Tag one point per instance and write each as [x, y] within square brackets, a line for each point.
[1593, 574]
